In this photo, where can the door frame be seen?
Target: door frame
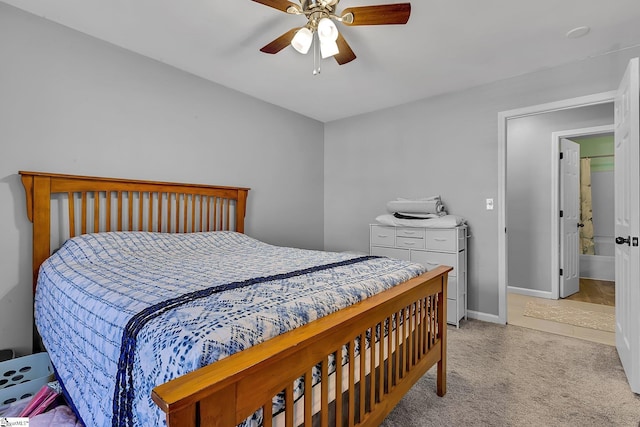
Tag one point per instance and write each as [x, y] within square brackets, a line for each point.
[556, 241]
[503, 117]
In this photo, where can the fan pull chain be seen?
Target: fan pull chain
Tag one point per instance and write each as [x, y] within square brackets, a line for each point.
[316, 54]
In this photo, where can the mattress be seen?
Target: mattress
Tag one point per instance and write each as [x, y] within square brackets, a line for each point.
[120, 313]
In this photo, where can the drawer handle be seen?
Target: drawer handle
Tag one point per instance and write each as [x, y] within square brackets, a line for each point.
[409, 232]
[432, 263]
[440, 239]
[383, 235]
[409, 243]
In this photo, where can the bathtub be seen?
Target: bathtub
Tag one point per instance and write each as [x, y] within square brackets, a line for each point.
[600, 266]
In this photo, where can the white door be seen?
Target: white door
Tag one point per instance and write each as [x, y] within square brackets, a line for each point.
[627, 217]
[570, 217]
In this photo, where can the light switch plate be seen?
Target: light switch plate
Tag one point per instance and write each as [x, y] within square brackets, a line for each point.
[489, 204]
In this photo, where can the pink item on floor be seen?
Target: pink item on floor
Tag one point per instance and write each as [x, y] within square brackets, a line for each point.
[41, 401]
[60, 416]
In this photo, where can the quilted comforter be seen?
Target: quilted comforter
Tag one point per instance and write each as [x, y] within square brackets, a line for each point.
[120, 313]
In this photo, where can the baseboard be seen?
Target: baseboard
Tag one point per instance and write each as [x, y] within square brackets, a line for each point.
[531, 292]
[597, 267]
[485, 317]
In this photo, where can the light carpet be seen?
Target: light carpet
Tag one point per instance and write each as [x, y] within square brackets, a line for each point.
[501, 375]
[572, 315]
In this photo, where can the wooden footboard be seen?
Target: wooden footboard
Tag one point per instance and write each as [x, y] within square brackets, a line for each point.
[227, 392]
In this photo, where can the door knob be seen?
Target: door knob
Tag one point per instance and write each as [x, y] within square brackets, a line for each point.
[622, 240]
[580, 225]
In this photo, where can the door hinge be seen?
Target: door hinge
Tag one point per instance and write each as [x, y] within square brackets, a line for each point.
[561, 214]
[561, 156]
[561, 272]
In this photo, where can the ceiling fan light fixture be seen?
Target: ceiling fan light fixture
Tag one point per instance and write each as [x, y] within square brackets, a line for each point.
[328, 48]
[302, 40]
[327, 30]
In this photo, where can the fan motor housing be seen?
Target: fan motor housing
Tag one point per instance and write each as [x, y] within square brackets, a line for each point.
[321, 4]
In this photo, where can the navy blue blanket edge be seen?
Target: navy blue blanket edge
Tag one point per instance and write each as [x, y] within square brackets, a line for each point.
[123, 393]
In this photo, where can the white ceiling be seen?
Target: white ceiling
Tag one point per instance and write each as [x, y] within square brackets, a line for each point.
[447, 45]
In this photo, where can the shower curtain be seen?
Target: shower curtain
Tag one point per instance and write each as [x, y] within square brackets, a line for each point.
[587, 244]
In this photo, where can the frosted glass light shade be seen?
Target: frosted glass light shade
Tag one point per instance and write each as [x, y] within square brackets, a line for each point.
[327, 30]
[328, 48]
[302, 40]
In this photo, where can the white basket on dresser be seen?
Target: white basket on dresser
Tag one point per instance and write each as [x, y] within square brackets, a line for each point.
[430, 247]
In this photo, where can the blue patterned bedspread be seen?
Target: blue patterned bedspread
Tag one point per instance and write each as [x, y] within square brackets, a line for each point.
[179, 302]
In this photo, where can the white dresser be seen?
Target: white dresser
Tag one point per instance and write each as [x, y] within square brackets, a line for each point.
[430, 247]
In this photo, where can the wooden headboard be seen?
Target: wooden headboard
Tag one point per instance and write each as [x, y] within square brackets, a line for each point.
[95, 205]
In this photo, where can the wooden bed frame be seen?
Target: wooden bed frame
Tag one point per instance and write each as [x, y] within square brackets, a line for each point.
[230, 390]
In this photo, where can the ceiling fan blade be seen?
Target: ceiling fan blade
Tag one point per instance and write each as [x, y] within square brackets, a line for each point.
[281, 42]
[345, 54]
[282, 5]
[384, 14]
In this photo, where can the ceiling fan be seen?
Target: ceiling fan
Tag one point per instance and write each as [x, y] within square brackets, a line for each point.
[321, 15]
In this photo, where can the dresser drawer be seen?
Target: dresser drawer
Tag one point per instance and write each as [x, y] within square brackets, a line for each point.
[455, 310]
[409, 243]
[416, 233]
[385, 236]
[391, 252]
[433, 259]
[442, 240]
[452, 288]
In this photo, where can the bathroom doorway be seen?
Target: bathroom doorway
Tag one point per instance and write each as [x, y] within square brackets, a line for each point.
[594, 264]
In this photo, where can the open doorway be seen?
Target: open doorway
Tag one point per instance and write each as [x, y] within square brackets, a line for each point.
[533, 208]
[627, 210]
[594, 280]
[588, 266]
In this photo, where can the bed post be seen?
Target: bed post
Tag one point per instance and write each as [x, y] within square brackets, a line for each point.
[38, 192]
[441, 385]
[241, 209]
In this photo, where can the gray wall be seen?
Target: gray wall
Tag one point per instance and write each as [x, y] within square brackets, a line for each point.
[443, 145]
[72, 104]
[528, 179]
